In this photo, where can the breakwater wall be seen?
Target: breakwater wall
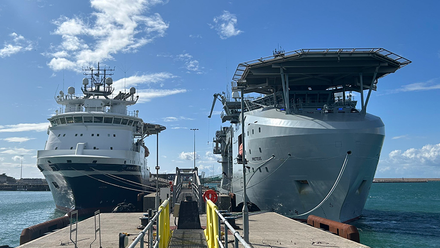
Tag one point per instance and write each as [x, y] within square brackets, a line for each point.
[24, 187]
[404, 180]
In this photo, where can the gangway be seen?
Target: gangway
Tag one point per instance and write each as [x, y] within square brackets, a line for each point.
[187, 186]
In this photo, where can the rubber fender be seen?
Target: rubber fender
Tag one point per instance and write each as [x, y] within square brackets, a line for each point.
[36, 231]
[344, 230]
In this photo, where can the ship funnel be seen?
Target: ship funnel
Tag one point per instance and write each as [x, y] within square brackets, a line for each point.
[85, 81]
[71, 91]
[109, 81]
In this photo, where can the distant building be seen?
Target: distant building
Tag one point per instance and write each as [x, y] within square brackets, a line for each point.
[4, 179]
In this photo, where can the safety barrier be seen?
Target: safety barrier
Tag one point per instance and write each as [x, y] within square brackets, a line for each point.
[344, 230]
[39, 230]
[163, 236]
[212, 231]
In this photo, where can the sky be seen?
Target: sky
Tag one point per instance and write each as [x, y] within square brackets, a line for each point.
[179, 53]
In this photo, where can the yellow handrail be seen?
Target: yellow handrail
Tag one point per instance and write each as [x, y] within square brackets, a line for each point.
[164, 232]
[212, 226]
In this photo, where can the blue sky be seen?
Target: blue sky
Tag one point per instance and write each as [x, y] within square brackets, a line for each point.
[179, 53]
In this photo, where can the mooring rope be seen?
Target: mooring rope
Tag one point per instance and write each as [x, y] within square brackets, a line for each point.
[344, 165]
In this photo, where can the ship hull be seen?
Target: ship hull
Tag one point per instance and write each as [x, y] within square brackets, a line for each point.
[91, 187]
[295, 164]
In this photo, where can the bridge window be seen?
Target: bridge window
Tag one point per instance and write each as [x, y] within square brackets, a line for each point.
[88, 119]
[63, 120]
[108, 119]
[97, 119]
[78, 119]
[124, 122]
[117, 120]
[69, 119]
[130, 122]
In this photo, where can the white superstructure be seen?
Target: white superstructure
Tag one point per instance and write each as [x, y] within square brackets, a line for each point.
[95, 157]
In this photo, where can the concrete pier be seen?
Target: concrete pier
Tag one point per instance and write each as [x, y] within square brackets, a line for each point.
[266, 230]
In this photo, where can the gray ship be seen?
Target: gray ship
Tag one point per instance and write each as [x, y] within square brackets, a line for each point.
[310, 148]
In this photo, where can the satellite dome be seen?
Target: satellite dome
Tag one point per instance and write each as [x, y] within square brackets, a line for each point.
[71, 90]
[85, 81]
[132, 90]
[109, 81]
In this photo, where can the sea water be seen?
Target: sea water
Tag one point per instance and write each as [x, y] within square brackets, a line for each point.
[395, 215]
[401, 215]
[22, 209]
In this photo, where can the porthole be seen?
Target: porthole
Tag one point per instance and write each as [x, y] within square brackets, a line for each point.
[94, 148]
[252, 131]
[249, 151]
[64, 135]
[93, 134]
[267, 169]
[259, 149]
[97, 134]
[76, 134]
[59, 135]
[114, 135]
[56, 148]
[71, 147]
[259, 129]
[81, 135]
[111, 147]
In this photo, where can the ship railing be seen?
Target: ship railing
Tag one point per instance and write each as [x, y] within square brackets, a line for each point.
[163, 235]
[241, 68]
[214, 219]
[134, 113]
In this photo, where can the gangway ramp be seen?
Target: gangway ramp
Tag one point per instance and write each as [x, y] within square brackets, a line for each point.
[188, 192]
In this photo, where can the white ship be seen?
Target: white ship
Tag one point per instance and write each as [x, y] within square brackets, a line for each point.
[95, 157]
[309, 150]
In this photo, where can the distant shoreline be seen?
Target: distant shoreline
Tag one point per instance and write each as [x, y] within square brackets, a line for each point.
[404, 180]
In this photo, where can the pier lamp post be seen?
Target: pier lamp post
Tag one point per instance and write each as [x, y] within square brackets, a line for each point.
[241, 84]
[157, 175]
[194, 129]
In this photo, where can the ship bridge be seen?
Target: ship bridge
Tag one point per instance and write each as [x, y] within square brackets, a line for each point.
[317, 70]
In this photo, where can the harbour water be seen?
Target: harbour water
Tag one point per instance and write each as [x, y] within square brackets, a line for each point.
[395, 215]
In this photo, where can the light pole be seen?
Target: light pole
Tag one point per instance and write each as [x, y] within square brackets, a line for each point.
[157, 175]
[194, 129]
[241, 84]
[21, 166]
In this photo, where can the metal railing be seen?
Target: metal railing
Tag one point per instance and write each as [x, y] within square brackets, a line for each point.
[196, 185]
[213, 228]
[163, 236]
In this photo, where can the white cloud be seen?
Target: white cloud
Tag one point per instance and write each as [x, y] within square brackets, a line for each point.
[148, 94]
[24, 127]
[225, 25]
[118, 26]
[413, 162]
[431, 84]
[191, 65]
[188, 156]
[169, 119]
[17, 158]
[172, 119]
[18, 139]
[136, 80]
[18, 44]
[399, 137]
[16, 151]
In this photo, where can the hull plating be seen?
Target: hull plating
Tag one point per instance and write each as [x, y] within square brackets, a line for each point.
[294, 163]
[88, 187]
